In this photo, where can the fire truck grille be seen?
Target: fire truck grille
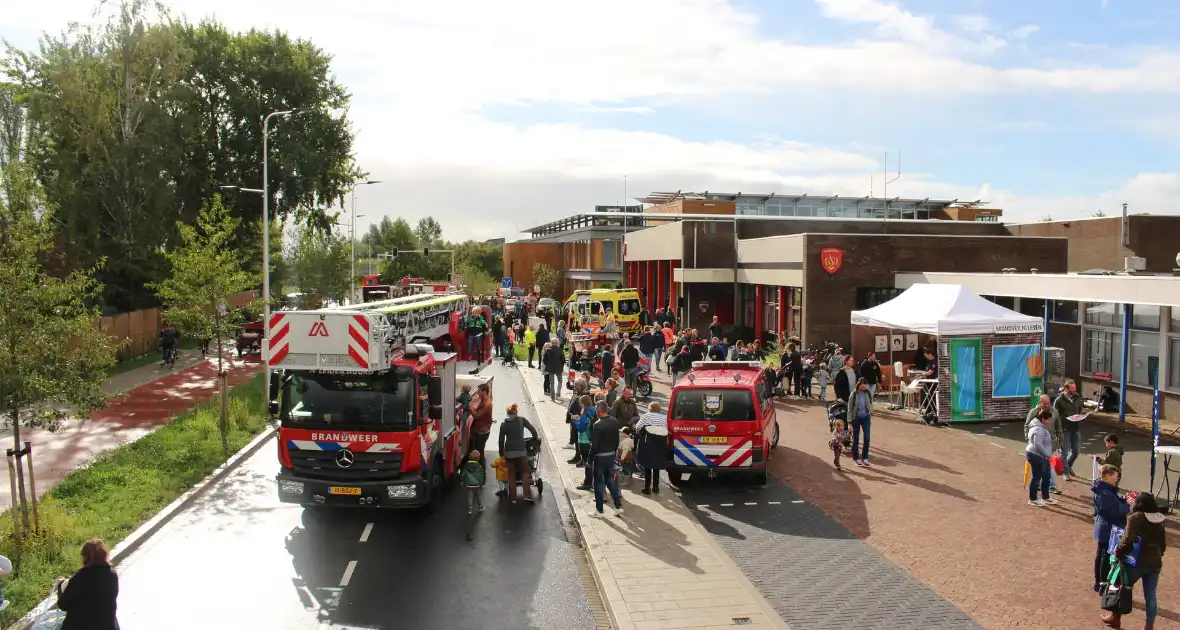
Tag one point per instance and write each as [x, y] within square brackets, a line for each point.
[365, 466]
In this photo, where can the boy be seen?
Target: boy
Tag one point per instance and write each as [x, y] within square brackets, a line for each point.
[473, 476]
[821, 377]
[501, 466]
[1114, 455]
[464, 402]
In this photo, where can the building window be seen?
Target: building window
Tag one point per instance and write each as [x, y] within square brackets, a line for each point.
[1145, 350]
[1105, 314]
[986, 218]
[1102, 350]
[1032, 307]
[611, 254]
[1145, 317]
[1003, 300]
[1174, 361]
[868, 297]
[1065, 312]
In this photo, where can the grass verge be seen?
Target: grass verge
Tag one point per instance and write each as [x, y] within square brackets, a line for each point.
[120, 491]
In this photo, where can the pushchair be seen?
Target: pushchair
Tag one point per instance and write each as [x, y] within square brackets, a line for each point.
[532, 452]
[838, 411]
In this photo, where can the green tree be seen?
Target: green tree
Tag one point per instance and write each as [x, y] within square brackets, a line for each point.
[53, 355]
[318, 263]
[206, 271]
[547, 278]
[488, 258]
[477, 281]
[428, 232]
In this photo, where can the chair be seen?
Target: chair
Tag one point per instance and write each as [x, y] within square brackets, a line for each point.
[896, 382]
[909, 391]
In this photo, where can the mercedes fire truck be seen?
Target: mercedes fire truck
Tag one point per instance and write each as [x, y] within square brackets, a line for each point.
[366, 399]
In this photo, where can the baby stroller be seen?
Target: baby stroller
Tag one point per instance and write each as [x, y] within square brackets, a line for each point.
[838, 411]
[532, 452]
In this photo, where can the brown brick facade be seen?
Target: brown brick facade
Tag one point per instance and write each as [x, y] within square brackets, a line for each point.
[993, 408]
[1094, 243]
[872, 261]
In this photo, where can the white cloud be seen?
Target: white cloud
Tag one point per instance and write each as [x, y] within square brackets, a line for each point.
[1025, 31]
[424, 75]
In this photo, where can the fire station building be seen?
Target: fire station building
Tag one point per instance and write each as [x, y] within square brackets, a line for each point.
[803, 265]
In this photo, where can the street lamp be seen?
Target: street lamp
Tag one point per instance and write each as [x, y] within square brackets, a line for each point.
[352, 245]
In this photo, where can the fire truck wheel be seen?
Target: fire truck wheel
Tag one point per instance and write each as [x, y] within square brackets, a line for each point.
[435, 489]
[774, 442]
[760, 478]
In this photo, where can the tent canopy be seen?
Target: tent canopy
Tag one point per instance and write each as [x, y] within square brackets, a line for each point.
[946, 309]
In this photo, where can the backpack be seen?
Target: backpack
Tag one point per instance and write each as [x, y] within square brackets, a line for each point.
[473, 475]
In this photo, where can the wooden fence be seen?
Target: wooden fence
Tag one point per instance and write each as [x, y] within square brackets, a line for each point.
[136, 333]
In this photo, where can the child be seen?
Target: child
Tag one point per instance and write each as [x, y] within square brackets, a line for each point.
[627, 451]
[1114, 455]
[501, 466]
[808, 373]
[582, 425]
[464, 402]
[473, 476]
[839, 436]
[821, 377]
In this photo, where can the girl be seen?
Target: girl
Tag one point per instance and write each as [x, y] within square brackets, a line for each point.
[839, 437]
[582, 425]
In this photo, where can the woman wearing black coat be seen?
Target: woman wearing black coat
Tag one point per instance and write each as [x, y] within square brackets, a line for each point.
[89, 597]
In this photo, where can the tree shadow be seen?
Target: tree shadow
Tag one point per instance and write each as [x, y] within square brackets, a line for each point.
[651, 536]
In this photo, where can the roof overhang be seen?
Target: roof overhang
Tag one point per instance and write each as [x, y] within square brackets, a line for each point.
[1120, 288]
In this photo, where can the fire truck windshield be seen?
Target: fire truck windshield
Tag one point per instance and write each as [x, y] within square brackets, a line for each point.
[376, 402]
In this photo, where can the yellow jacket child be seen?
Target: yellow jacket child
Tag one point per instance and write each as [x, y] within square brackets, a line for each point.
[501, 466]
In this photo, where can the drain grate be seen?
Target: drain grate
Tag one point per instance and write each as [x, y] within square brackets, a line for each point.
[741, 621]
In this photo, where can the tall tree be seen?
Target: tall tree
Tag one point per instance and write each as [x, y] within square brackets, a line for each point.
[206, 272]
[547, 279]
[428, 232]
[318, 263]
[53, 354]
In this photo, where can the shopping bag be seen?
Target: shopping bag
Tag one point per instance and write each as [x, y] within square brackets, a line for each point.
[1115, 592]
[1027, 474]
[1056, 463]
[1095, 469]
[46, 615]
[1116, 533]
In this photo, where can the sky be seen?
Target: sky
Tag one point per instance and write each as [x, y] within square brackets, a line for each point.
[493, 117]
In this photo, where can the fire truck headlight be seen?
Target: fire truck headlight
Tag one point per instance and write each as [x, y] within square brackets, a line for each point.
[402, 491]
[291, 487]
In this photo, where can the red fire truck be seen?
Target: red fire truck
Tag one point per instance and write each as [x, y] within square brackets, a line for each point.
[366, 398]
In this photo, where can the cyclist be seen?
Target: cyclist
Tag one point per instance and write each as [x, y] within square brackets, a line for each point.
[168, 338]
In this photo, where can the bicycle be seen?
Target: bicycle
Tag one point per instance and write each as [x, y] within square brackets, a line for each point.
[170, 355]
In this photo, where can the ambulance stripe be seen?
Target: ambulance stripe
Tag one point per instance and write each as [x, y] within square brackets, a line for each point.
[278, 336]
[693, 453]
[362, 321]
[304, 445]
[356, 356]
[729, 453]
[744, 452]
[278, 356]
[361, 341]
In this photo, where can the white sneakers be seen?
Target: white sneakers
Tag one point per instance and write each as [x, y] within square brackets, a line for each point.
[1037, 503]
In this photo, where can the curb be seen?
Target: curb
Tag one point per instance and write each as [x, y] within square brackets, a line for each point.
[587, 537]
[143, 533]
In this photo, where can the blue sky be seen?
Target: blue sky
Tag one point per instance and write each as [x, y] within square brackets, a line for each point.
[493, 117]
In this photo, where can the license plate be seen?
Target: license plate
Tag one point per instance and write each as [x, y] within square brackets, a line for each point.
[353, 492]
[709, 439]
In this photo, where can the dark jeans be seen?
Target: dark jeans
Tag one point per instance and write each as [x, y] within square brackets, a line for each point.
[651, 478]
[858, 425]
[1072, 440]
[475, 347]
[1101, 564]
[532, 349]
[573, 435]
[1040, 476]
[1151, 580]
[629, 376]
[479, 442]
[554, 380]
[588, 463]
[604, 475]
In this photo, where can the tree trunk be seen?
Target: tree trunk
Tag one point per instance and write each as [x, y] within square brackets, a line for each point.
[223, 388]
[20, 499]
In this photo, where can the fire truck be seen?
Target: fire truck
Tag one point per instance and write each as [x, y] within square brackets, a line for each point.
[366, 398]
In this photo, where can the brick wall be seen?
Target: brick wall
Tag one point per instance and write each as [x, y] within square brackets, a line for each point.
[1095, 244]
[993, 408]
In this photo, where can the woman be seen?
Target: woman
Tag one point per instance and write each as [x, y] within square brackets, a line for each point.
[561, 334]
[512, 448]
[481, 419]
[860, 410]
[1037, 452]
[1146, 525]
[652, 429]
[1110, 510]
[89, 597]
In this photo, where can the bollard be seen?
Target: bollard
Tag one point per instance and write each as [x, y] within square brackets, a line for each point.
[33, 486]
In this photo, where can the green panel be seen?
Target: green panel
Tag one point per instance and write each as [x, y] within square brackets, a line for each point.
[966, 363]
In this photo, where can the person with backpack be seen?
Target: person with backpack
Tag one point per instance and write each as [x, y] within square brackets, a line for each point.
[473, 477]
[1145, 528]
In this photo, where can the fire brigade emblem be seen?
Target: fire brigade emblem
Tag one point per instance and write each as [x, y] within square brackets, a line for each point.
[713, 404]
[830, 259]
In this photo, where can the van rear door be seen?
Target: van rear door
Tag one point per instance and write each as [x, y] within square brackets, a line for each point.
[713, 427]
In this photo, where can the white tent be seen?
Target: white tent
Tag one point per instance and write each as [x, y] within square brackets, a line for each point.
[946, 309]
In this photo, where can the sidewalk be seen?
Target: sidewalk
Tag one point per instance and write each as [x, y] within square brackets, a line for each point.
[656, 567]
[142, 400]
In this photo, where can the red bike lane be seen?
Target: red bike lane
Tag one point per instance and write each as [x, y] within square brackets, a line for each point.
[126, 418]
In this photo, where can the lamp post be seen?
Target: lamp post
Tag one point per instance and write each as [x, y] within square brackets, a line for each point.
[352, 290]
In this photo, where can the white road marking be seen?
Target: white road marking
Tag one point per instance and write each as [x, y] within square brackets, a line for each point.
[348, 573]
[702, 505]
[774, 502]
[798, 501]
[726, 505]
[751, 504]
[995, 445]
[365, 534]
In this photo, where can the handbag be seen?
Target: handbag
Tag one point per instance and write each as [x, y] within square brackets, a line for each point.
[1057, 464]
[1132, 556]
[1115, 592]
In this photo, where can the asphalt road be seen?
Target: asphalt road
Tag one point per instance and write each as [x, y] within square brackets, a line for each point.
[1136, 460]
[240, 559]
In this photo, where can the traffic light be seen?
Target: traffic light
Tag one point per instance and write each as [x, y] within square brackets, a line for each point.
[393, 252]
[425, 251]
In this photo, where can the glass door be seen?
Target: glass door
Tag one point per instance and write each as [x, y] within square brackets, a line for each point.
[966, 380]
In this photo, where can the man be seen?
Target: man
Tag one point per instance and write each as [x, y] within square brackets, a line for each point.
[607, 363]
[499, 336]
[716, 350]
[1054, 427]
[870, 371]
[168, 339]
[696, 347]
[625, 409]
[716, 330]
[928, 389]
[630, 360]
[1069, 403]
[604, 443]
[659, 318]
[661, 341]
[571, 413]
[647, 345]
[554, 361]
[475, 326]
[644, 318]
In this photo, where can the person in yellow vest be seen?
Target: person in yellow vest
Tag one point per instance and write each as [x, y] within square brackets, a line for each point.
[530, 342]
